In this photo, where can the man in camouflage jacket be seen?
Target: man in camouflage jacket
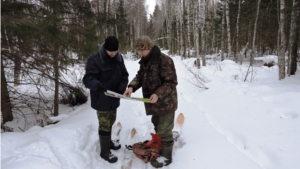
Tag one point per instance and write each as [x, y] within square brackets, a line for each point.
[158, 79]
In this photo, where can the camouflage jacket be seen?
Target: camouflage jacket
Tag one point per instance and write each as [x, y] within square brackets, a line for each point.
[158, 76]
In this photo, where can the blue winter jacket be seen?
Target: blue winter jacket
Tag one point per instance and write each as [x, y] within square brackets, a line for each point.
[111, 73]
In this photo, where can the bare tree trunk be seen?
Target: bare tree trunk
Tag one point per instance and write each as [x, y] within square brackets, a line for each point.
[237, 30]
[98, 13]
[189, 22]
[131, 35]
[17, 69]
[254, 34]
[169, 21]
[56, 81]
[278, 33]
[223, 32]
[137, 30]
[214, 42]
[16, 59]
[169, 35]
[106, 15]
[228, 29]
[6, 108]
[184, 29]
[55, 69]
[98, 6]
[203, 46]
[179, 35]
[242, 53]
[196, 30]
[281, 57]
[294, 34]
[202, 8]
[115, 13]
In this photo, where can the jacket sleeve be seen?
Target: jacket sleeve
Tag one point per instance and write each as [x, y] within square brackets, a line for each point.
[91, 73]
[169, 76]
[136, 82]
[124, 80]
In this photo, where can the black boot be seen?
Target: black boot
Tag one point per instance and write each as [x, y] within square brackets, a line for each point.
[105, 150]
[165, 152]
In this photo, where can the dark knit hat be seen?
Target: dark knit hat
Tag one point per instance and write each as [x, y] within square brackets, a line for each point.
[111, 43]
[144, 43]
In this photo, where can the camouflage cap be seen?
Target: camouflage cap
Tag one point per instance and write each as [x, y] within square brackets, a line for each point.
[144, 43]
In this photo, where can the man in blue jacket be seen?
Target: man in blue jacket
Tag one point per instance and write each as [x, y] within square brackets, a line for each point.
[106, 70]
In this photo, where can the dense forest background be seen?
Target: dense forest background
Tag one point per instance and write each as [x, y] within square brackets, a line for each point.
[40, 39]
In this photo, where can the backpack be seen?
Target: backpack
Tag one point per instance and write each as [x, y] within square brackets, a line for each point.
[147, 150]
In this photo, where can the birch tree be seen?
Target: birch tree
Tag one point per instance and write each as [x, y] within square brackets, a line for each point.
[196, 32]
[222, 32]
[184, 28]
[179, 25]
[168, 20]
[189, 23]
[228, 28]
[237, 32]
[254, 34]
[214, 41]
[202, 8]
[281, 56]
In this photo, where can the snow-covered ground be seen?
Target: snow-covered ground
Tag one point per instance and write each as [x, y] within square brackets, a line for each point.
[232, 125]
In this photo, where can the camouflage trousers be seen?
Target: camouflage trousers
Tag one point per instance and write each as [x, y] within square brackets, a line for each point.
[106, 119]
[163, 126]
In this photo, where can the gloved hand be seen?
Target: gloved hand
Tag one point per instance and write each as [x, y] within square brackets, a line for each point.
[101, 88]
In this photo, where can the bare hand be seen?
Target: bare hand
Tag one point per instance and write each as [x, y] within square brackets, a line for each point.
[128, 92]
[153, 98]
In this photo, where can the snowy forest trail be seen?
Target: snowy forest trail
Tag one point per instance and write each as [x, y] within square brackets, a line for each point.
[231, 125]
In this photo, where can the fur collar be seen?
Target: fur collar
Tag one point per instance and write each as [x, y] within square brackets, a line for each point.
[154, 55]
[104, 56]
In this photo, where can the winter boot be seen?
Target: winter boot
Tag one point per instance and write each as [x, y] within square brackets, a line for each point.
[105, 150]
[165, 152]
